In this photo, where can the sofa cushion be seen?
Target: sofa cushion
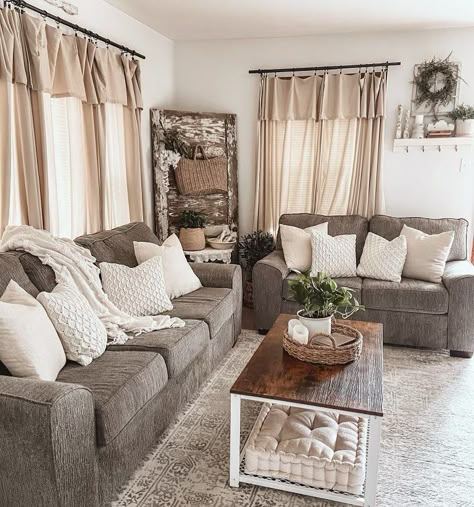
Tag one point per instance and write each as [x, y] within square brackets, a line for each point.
[116, 245]
[337, 225]
[12, 269]
[178, 346]
[121, 385]
[354, 283]
[40, 274]
[407, 296]
[210, 304]
[390, 228]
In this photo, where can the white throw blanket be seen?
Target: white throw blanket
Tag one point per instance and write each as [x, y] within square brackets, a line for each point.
[72, 262]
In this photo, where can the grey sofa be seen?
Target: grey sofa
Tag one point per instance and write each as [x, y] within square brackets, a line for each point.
[413, 312]
[73, 442]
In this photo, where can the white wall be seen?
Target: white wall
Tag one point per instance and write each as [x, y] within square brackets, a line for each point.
[157, 70]
[213, 76]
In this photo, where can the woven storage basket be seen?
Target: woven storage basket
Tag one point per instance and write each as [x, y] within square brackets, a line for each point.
[192, 239]
[326, 354]
[201, 176]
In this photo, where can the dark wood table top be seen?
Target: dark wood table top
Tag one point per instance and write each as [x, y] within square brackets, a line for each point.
[355, 387]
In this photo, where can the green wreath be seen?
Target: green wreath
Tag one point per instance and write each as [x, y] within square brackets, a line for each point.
[426, 80]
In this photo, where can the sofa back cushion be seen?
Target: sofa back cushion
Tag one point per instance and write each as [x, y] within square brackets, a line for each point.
[390, 227]
[337, 225]
[11, 269]
[116, 245]
[40, 274]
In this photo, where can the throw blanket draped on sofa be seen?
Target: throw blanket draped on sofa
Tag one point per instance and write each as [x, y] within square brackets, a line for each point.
[72, 262]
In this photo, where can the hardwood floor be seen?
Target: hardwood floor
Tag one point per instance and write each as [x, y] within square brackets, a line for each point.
[248, 318]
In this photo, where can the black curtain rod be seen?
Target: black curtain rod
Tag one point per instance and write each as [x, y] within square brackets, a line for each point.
[327, 67]
[20, 4]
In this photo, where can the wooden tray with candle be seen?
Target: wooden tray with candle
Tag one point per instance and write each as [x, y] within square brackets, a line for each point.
[342, 346]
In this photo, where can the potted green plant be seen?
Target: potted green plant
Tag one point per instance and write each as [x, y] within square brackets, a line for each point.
[464, 116]
[191, 233]
[252, 248]
[321, 299]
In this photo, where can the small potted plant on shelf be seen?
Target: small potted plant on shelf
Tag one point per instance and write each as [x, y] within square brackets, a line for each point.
[253, 247]
[321, 299]
[464, 116]
[191, 233]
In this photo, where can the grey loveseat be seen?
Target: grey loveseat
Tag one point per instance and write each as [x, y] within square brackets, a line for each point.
[73, 442]
[413, 312]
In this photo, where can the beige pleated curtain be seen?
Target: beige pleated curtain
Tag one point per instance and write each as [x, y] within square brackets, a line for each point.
[38, 65]
[320, 146]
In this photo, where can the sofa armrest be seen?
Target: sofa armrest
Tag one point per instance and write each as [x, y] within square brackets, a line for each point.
[268, 275]
[227, 276]
[458, 279]
[47, 444]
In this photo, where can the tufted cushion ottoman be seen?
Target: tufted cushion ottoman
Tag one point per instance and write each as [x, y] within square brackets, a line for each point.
[319, 449]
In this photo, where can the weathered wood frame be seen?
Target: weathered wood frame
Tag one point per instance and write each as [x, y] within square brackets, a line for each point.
[216, 132]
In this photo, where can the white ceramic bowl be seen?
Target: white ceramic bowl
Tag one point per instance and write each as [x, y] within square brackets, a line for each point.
[221, 245]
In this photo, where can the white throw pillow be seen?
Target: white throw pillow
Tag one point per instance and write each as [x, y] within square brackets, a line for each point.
[426, 254]
[335, 256]
[179, 277]
[383, 259]
[29, 344]
[137, 291]
[296, 244]
[82, 334]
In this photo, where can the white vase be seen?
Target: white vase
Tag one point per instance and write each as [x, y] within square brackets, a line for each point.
[315, 326]
[464, 128]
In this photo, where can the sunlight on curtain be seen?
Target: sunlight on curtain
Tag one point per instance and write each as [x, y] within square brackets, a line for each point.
[114, 179]
[67, 192]
[15, 215]
[297, 144]
[308, 184]
[338, 149]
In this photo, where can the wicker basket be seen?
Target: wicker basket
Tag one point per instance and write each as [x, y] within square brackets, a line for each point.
[192, 239]
[201, 176]
[326, 354]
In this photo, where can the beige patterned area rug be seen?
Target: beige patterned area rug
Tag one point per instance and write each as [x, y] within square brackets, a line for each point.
[427, 454]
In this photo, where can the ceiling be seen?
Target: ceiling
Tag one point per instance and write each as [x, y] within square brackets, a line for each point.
[239, 19]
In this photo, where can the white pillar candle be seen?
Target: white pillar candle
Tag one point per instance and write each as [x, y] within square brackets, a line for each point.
[300, 334]
[291, 324]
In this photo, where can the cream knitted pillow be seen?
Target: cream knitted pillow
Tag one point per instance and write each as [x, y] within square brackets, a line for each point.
[82, 334]
[137, 291]
[383, 259]
[335, 256]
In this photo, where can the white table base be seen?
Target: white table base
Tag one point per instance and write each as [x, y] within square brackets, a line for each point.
[238, 475]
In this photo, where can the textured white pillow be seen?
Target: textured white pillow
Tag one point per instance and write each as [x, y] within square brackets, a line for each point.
[82, 334]
[426, 254]
[296, 244]
[383, 259]
[29, 344]
[335, 256]
[179, 277]
[137, 291]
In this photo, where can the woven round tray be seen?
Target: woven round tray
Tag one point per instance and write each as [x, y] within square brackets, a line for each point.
[326, 354]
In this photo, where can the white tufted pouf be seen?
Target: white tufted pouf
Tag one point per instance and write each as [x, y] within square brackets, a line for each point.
[319, 449]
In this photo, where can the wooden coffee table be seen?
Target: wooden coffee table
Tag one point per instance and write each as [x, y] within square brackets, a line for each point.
[273, 376]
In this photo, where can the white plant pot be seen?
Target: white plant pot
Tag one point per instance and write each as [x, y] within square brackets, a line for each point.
[464, 128]
[315, 326]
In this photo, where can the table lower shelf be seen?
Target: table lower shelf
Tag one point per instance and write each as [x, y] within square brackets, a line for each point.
[301, 489]
[365, 499]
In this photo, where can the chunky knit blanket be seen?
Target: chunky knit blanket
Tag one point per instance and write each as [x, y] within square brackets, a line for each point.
[72, 262]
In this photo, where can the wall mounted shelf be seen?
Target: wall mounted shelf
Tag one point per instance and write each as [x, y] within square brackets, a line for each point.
[434, 144]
